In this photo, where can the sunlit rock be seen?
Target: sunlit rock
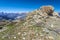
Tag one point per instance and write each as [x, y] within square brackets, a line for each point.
[19, 33]
[14, 37]
[23, 38]
[52, 25]
[47, 9]
[51, 38]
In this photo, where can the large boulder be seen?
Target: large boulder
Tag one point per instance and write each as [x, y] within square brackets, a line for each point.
[47, 9]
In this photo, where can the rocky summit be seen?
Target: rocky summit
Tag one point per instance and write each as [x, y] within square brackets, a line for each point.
[44, 15]
[40, 24]
[47, 19]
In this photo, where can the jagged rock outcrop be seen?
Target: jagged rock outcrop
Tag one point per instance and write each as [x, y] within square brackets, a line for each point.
[44, 17]
[47, 9]
[41, 15]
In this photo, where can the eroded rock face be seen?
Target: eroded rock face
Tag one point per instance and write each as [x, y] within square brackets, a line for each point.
[47, 9]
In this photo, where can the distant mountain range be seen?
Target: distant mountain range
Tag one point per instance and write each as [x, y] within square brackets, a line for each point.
[59, 13]
[11, 16]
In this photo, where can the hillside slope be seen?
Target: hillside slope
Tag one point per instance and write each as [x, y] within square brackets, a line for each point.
[40, 24]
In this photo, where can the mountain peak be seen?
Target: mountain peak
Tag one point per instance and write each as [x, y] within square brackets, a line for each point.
[44, 16]
[44, 11]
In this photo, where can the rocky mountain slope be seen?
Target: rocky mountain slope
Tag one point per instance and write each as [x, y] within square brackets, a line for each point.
[47, 19]
[45, 16]
[40, 24]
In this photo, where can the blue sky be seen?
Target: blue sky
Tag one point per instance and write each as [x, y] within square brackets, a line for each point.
[26, 5]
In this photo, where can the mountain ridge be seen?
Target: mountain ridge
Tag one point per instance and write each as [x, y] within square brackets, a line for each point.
[11, 16]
